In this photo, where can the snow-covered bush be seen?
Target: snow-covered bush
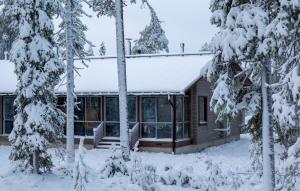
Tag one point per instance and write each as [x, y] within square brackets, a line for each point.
[143, 175]
[114, 165]
[182, 177]
[215, 176]
[80, 169]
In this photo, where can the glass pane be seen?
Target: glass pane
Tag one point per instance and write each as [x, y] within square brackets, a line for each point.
[179, 109]
[186, 130]
[164, 113]
[148, 130]
[179, 131]
[93, 109]
[9, 108]
[79, 128]
[148, 109]
[8, 126]
[61, 104]
[89, 128]
[112, 108]
[164, 131]
[132, 109]
[187, 109]
[202, 105]
[112, 129]
[80, 109]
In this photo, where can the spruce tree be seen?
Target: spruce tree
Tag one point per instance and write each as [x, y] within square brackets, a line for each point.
[72, 40]
[284, 32]
[102, 49]
[153, 38]
[242, 51]
[38, 122]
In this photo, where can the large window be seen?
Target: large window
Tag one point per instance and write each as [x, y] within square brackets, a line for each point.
[157, 120]
[202, 109]
[87, 114]
[9, 112]
[112, 120]
[182, 117]
[93, 114]
[156, 117]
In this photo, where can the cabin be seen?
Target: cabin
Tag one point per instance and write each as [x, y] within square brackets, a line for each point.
[168, 103]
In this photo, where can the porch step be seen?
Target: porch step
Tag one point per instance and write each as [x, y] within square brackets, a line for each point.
[108, 142]
[111, 139]
[106, 146]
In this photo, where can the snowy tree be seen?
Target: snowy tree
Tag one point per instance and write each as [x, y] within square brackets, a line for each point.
[153, 38]
[80, 169]
[38, 122]
[90, 51]
[122, 81]
[102, 49]
[72, 40]
[8, 32]
[114, 165]
[284, 32]
[206, 47]
[242, 50]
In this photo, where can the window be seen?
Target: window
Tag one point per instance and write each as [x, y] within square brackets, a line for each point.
[202, 109]
[149, 117]
[112, 120]
[9, 112]
[93, 114]
[182, 117]
[112, 116]
[156, 117]
[132, 111]
[79, 113]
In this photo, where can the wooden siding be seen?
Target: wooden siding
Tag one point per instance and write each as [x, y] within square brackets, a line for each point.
[1, 114]
[203, 133]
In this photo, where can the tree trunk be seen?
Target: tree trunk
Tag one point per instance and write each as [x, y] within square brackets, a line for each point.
[35, 162]
[70, 84]
[268, 137]
[122, 80]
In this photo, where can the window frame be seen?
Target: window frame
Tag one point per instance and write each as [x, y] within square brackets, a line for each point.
[4, 114]
[205, 122]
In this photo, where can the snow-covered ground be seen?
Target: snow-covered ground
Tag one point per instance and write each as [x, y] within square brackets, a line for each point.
[231, 157]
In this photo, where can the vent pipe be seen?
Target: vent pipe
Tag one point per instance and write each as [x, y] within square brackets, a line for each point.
[129, 46]
[182, 46]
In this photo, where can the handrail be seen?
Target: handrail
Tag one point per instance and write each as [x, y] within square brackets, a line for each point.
[98, 134]
[134, 135]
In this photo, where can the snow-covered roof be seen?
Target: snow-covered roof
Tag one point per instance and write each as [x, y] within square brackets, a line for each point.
[146, 74]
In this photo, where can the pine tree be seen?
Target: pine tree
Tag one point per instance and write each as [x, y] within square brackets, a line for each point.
[242, 50]
[8, 32]
[90, 51]
[38, 122]
[115, 9]
[102, 49]
[153, 38]
[122, 81]
[72, 40]
[80, 169]
[285, 31]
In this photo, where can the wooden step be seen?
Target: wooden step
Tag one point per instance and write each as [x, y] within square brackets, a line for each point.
[107, 146]
[108, 143]
[110, 139]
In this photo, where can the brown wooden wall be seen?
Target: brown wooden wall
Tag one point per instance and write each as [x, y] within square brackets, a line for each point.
[205, 133]
[1, 114]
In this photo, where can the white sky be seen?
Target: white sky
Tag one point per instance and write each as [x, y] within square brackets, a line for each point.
[185, 21]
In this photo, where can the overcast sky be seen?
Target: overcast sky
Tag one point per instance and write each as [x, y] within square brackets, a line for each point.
[185, 21]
